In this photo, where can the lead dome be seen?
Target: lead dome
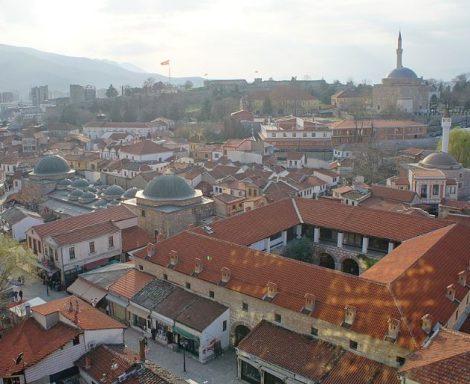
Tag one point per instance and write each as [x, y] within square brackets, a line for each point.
[52, 165]
[168, 187]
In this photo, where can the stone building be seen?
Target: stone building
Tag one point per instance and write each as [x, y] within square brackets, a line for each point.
[401, 89]
[168, 205]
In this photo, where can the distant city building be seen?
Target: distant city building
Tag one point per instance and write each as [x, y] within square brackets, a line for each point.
[39, 94]
[401, 89]
[7, 97]
[90, 92]
[77, 93]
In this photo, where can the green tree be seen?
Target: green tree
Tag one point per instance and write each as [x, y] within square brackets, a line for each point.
[12, 256]
[267, 108]
[459, 146]
[299, 249]
[111, 92]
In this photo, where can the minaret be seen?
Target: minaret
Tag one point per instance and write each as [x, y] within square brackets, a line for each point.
[399, 52]
[446, 122]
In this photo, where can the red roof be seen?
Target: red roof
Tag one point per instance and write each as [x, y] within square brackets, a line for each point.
[388, 193]
[445, 361]
[84, 234]
[113, 214]
[130, 283]
[87, 318]
[35, 342]
[376, 123]
[144, 147]
[313, 359]
[134, 238]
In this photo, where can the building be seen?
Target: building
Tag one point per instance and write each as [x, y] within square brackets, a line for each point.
[77, 93]
[168, 205]
[351, 99]
[39, 95]
[146, 150]
[401, 90]
[17, 220]
[95, 130]
[66, 247]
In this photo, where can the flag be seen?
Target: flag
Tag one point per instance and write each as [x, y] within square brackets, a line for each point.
[166, 62]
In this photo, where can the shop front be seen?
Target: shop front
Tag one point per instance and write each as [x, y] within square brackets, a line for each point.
[117, 308]
[187, 340]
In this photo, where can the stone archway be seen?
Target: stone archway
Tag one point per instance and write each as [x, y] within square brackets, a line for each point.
[239, 332]
[350, 266]
[327, 261]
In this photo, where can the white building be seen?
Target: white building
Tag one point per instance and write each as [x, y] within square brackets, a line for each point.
[95, 130]
[145, 150]
[18, 220]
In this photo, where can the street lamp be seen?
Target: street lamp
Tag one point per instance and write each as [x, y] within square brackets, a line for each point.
[184, 344]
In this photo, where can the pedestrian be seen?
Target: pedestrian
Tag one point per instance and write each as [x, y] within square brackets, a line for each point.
[15, 295]
[21, 295]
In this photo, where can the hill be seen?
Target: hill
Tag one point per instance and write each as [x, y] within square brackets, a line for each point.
[22, 68]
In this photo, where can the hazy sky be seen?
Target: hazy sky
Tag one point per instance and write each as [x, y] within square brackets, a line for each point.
[331, 39]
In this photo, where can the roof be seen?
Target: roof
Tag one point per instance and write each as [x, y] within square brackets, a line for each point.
[84, 234]
[130, 283]
[445, 361]
[168, 187]
[88, 317]
[14, 215]
[227, 199]
[105, 276]
[376, 123]
[52, 165]
[108, 362]
[113, 214]
[313, 359]
[35, 342]
[134, 238]
[440, 160]
[145, 147]
[402, 73]
[388, 193]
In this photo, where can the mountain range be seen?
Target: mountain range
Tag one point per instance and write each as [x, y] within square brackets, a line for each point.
[22, 68]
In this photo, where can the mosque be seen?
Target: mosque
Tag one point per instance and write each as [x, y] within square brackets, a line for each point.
[402, 89]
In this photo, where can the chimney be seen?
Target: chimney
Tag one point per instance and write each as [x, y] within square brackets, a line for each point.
[349, 315]
[87, 362]
[198, 267]
[150, 250]
[271, 290]
[173, 258]
[309, 302]
[446, 123]
[70, 306]
[393, 328]
[462, 278]
[450, 292]
[426, 323]
[225, 275]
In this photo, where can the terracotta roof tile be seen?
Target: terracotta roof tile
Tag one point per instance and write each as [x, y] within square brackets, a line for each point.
[134, 238]
[144, 147]
[88, 317]
[86, 233]
[130, 283]
[35, 342]
[392, 194]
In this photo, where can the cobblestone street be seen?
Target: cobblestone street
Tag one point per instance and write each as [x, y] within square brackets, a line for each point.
[219, 371]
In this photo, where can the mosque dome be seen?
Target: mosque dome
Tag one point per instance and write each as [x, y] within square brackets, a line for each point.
[101, 203]
[130, 193]
[168, 187]
[113, 192]
[440, 160]
[51, 165]
[75, 194]
[80, 183]
[402, 73]
[63, 184]
[87, 197]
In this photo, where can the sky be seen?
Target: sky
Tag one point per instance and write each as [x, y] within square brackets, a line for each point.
[311, 39]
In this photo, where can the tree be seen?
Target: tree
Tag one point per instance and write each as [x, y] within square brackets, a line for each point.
[188, 84]
[12, 255]
[267, 108]
[111, 92]
[459, 146]
[299, 249]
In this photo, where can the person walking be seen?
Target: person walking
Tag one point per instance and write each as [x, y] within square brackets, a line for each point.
[21, 294]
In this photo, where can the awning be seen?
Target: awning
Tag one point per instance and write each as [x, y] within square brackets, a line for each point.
[185, 334]
[86, 291]
[140, 312]
[95, 264]
[117, 300]
[46, 267]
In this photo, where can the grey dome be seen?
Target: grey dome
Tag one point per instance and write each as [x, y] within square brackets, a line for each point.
[440, 160]
[64, 182]
[87, 197]
[130, 193]
[114, 190]
[168, 187]
[402, 73]
[52, 165]
[79, 183]
[101, 203]
[75, 194]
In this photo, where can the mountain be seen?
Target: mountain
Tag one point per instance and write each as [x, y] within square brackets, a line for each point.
[22, 68]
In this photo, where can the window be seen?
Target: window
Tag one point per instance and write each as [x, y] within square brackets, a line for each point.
[400, 360]
[314, 331]
[211, 294]
[435, 190]
[72, 253]
[188, 285]
[245, 306]
[165, 276]
[76, 340]
[424, 191]
[277, 318]
[224, 326]
[142, 213]
[353, 344]
[141, 267]
[12, 380]
[91, 244]
[111, 241]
